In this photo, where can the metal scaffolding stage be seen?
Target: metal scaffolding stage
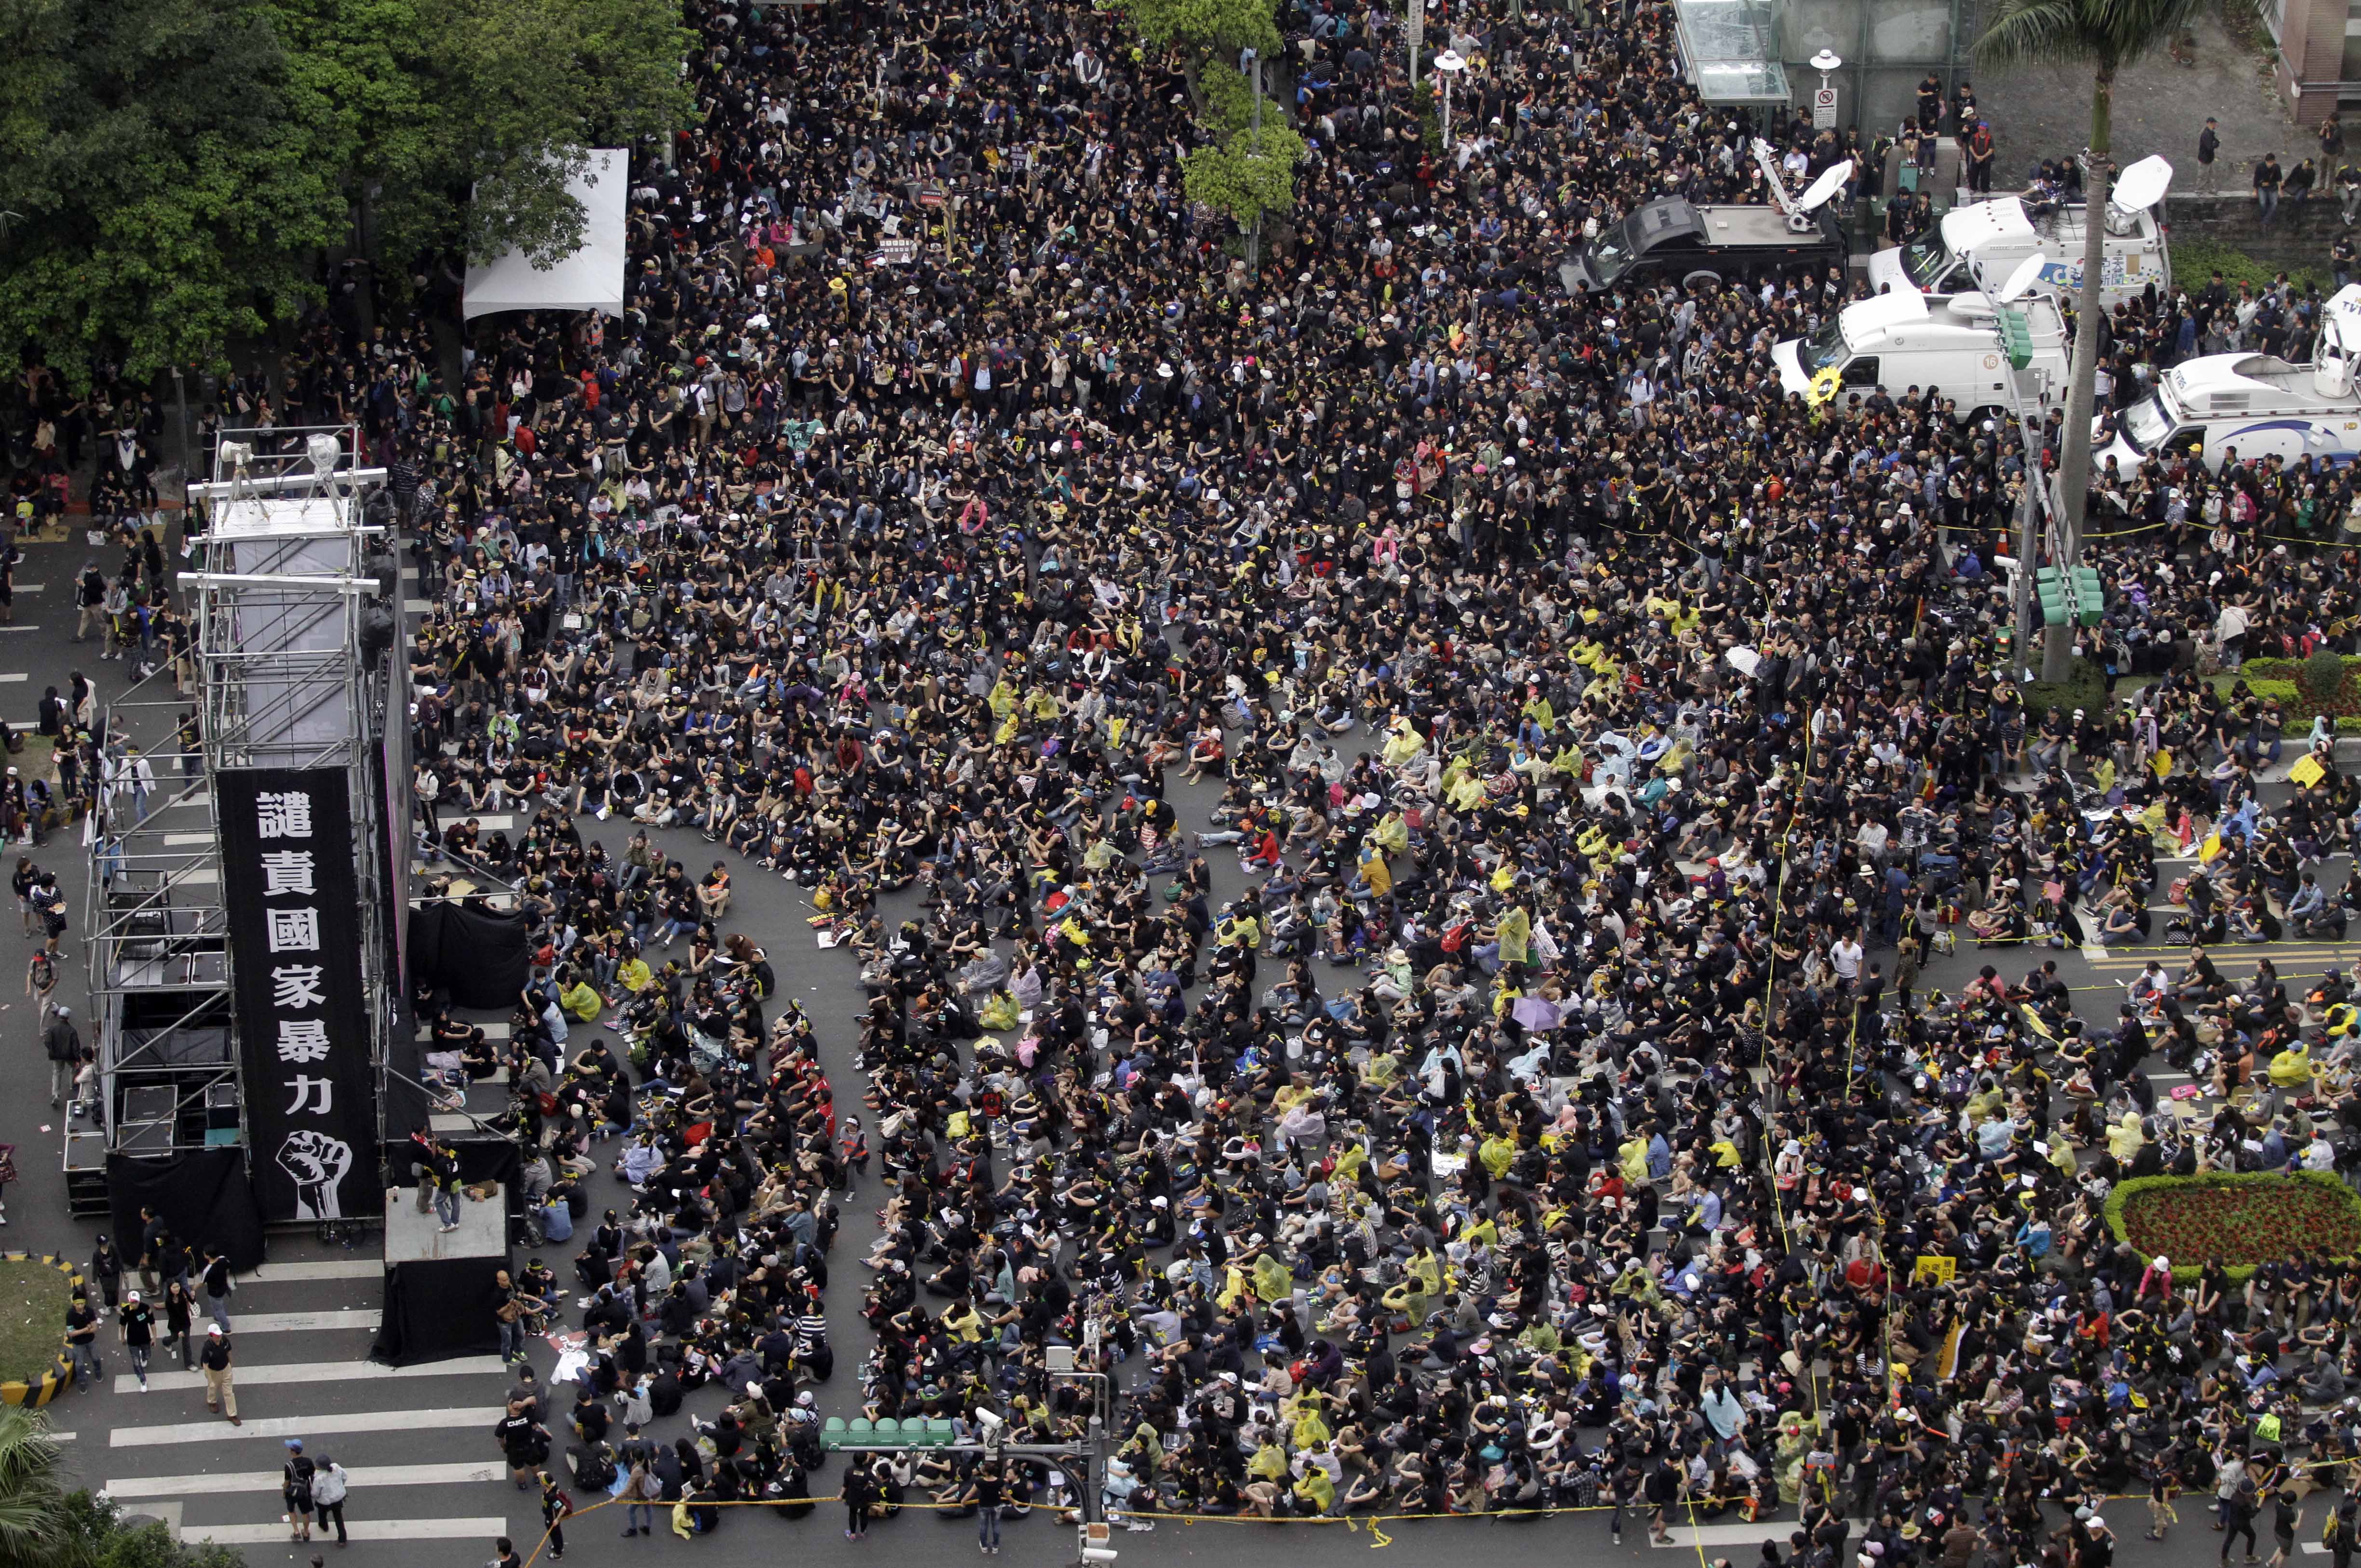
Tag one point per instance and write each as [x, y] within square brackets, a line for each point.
[202, 993]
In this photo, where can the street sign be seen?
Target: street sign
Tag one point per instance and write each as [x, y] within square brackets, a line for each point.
[1824, 108]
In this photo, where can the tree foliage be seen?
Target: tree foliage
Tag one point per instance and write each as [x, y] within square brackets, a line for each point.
[176, 170]
[39, 1525]
[1247, 175]
[425, 102]
[158, 204]
[1205, 26]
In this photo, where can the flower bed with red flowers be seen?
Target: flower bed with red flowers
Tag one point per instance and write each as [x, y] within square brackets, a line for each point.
[2239, 1221]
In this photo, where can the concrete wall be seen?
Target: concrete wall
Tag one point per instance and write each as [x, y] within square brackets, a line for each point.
[2300, 237]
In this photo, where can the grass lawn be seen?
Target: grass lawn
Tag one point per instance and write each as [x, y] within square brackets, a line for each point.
[33, 1301]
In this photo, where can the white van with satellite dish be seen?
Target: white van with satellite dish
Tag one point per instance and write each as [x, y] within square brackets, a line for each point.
[1951, 343]
[1991, 237]
[2253, 404]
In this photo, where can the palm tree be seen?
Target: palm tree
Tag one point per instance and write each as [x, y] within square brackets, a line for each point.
[2105, 35]
[36, 1528]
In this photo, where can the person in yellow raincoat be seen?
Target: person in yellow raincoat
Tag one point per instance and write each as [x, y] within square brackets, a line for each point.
[1403, 743]
[1514, 932]
[2124, 1138]
[1315, 1490]
[1271, 1280]
[1267, 1472]
[1374, 869]
[1632, 1155]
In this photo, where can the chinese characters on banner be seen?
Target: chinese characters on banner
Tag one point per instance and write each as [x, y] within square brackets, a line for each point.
[292, 893]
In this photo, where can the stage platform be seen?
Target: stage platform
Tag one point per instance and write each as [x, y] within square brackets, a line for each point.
[440, 1286]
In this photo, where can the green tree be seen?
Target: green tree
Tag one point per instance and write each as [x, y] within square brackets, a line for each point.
[1251, 174]
[176, 170]
[37, 1527]
[1205, 26]
[464, 119]
[160, 201]
[1205, 33]
[2105, 36]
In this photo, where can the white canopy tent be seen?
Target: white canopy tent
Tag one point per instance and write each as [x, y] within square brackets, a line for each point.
[591, 279]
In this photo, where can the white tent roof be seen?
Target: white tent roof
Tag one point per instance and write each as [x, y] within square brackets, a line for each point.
[591, 279]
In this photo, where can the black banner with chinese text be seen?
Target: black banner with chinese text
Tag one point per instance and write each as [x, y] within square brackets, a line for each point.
[292, 889]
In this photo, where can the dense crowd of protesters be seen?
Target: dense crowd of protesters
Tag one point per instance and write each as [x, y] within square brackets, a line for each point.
[1558, 1117]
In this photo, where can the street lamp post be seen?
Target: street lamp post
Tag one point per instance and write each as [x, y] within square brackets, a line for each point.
[1824, 102]
[1450, 62]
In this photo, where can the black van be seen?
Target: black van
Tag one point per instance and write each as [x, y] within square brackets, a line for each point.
[1673, 240]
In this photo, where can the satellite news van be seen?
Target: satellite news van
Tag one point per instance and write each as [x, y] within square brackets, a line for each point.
[2255, 404]
[1670, 240]
[1993, 237]
[1952, 344]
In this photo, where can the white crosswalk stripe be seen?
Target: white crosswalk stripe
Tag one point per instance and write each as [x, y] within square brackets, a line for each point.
[129, 1489]
[311, 1372]
[308, 1427]
[1687, 1538]
[303, 1323]
[360, 1529]
[334, 1268]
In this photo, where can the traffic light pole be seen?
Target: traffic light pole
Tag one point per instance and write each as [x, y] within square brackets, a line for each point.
[2015, 344]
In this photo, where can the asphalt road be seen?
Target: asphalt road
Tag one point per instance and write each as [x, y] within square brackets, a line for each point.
[426, 1473]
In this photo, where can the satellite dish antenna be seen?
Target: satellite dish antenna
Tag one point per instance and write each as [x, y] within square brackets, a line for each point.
[2142, 185]
[2026, 274]
[1815, 195]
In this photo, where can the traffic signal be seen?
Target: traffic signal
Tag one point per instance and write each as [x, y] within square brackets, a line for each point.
[2089, 596]
[2016, 338]
[2050, 587]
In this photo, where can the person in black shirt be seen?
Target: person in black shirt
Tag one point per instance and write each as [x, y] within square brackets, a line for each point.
[82, 1340]
[138, 1326]
[987, 1508]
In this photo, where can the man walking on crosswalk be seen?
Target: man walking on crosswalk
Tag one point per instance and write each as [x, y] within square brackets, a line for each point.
[215, 1362]
[217, 1287]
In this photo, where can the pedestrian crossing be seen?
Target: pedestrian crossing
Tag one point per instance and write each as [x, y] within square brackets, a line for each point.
[2290, 958]
[303, 1323]
[414, 1441]
[311, 1371]
[483, 1528]
[136, 1489]
[306, 1426]
[1689, 1537]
